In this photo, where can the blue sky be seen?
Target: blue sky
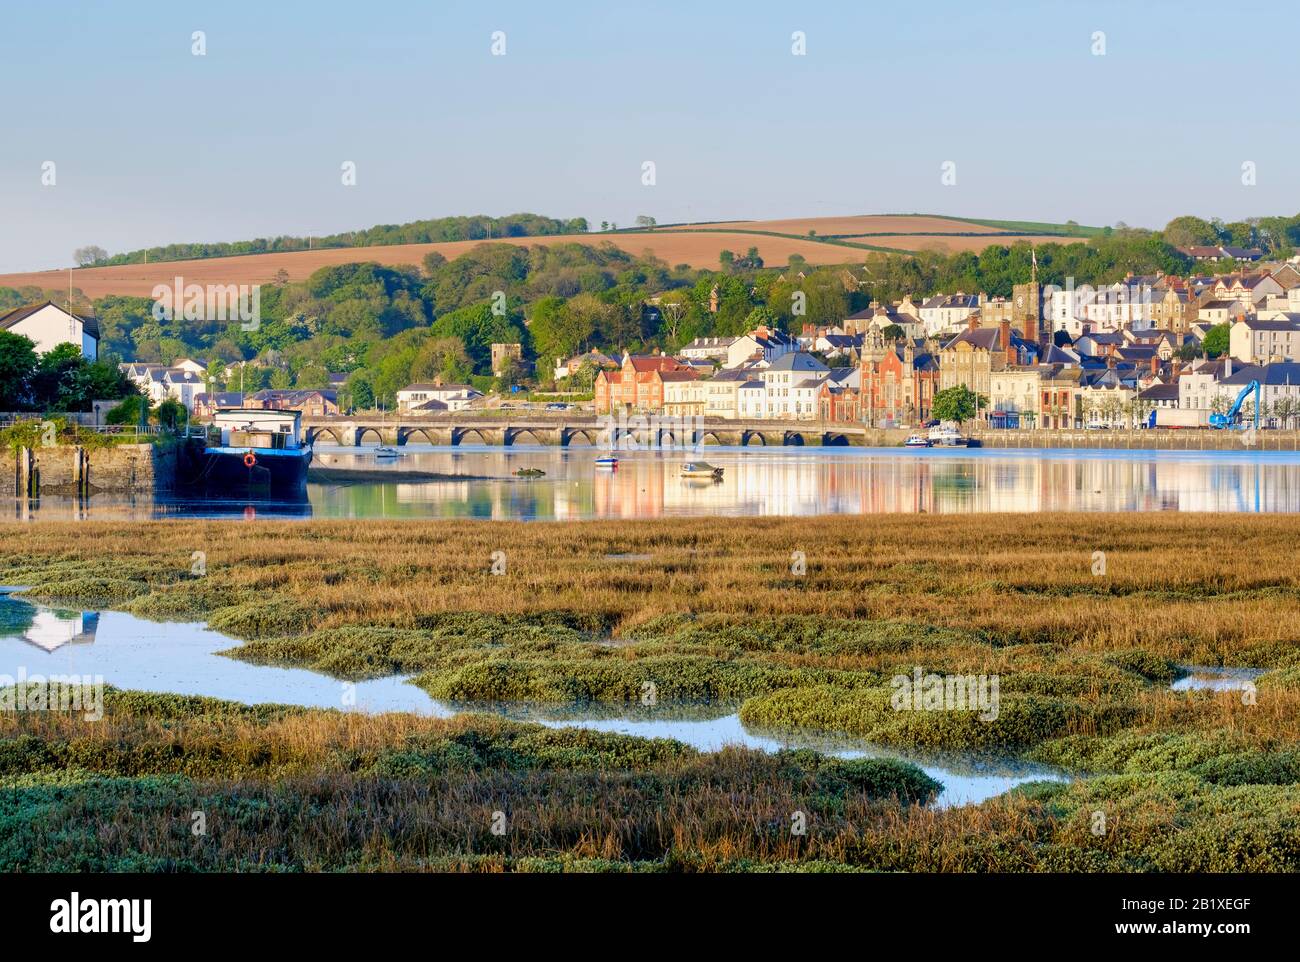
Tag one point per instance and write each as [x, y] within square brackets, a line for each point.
[155, 145]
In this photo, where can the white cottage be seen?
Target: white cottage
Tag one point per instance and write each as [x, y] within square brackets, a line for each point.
[49, 325]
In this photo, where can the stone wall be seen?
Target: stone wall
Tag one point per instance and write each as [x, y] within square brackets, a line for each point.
[141, 468]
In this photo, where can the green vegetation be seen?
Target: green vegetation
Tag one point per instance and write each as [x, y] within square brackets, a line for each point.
[479, 227]
[955, 404]
[1196, 781]
[58, 380]
[388, 326]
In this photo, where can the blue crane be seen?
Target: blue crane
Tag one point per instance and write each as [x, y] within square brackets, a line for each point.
[1232, 419]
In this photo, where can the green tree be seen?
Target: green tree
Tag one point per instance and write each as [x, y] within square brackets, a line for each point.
[132, 410]
[17, 366]
[360, 391]
[954, 404]
[170, 413]
[1190, 231]
[1216, 340]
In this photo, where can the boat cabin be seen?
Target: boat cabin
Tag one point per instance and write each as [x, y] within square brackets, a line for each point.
[257, 428]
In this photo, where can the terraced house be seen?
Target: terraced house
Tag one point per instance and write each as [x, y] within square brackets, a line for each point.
[972, 356]
[636, 385]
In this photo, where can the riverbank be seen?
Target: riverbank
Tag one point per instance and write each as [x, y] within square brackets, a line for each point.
[804, 622]
[397, 475]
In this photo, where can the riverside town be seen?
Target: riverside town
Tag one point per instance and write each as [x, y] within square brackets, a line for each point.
[646, 440]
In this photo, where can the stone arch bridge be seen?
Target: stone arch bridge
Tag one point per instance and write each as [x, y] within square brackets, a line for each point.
[455, 431]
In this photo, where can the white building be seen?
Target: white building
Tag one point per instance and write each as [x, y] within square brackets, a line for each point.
[456, 397]
[1257, 341]
[1105, 308]
[1202, 382]
[707, 349]
[783, 380]
[49, 325]
[947, 312]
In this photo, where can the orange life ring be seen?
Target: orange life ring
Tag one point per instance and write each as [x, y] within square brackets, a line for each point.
[250, 459]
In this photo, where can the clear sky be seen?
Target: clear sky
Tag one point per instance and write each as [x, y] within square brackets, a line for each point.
[155, 145]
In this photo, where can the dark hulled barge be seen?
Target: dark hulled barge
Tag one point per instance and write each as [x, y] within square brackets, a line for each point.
[258, 452]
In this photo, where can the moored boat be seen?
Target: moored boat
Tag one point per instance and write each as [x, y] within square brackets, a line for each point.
[947, 436]
[259, 450]
[608, 461]
[917, 441]
[387, 453]
[701, 469]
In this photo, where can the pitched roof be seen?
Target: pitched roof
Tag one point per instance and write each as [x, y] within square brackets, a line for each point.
[1160, 392]
[1277, 373]
[89, 323]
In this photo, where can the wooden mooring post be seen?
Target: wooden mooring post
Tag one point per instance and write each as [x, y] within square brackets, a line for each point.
[28, 481]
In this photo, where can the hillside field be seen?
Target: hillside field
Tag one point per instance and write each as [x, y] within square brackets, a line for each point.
[840, 240]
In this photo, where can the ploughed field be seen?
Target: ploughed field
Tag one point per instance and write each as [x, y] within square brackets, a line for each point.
[699, 250]
[1084, 620]
[842, 240]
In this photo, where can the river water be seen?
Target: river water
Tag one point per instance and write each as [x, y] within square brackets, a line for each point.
[182, 658]
[756, 482]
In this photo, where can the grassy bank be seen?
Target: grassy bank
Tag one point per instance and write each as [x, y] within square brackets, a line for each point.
[1084, 646]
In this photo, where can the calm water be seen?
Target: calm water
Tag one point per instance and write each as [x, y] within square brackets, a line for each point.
[759, 482]
[181, 658]
[1199, 678]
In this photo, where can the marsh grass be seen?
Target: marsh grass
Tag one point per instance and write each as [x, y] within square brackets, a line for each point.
[1189, 781]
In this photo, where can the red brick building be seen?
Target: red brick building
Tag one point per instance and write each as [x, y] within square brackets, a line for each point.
[636, 386]
[898, 383]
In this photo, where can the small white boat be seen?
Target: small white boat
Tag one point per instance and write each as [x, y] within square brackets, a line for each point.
[608, 461]
[947, 436]
[387, 453]
[701, 469]
[917, 441]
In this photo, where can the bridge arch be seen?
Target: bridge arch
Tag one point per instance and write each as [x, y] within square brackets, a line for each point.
[512, 436]
[833, 440]
[362, 432]
[314, 435]
[404, 435]
[748, 437]
[793, 439]
[458, 436]
[709, 437]
[569, 435]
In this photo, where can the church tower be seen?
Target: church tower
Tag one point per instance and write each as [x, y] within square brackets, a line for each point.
[1027, 309]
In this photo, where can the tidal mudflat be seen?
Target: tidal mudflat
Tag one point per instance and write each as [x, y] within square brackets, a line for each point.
[792, 631]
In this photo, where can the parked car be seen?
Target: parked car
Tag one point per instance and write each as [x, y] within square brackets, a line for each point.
[557, 406]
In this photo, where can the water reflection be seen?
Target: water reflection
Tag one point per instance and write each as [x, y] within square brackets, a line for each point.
[181, 658]
[777, 482]
[756, 482]
[1201, 678]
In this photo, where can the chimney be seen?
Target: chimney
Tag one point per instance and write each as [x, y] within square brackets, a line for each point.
[1227, 365]
[972, 322]
[1155, 363]
[1004, 333]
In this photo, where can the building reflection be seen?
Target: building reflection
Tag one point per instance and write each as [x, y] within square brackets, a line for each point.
[784, 482]
[46, 628]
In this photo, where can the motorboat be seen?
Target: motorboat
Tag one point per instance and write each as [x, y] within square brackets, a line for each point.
[701, 469]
